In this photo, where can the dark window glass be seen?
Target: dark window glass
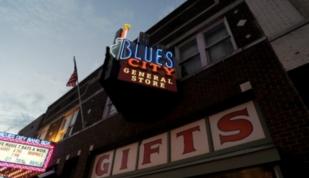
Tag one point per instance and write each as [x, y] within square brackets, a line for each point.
[189, 58]
[218, 43]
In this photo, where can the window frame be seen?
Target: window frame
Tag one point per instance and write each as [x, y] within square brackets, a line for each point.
[229, 36]
[191, 55]
[180, 62]
[54, 135]
[107, 109]
[66, 116]
[199, 37]
[72, 120]
[42, 133]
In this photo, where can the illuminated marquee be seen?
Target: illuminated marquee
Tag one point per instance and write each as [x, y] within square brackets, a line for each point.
[24, 153]
[144, 65]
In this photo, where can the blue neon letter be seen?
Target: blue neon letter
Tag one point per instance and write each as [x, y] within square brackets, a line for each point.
[158, 56]
[126, 51]
[169, 59]
[137, 52]
[148, 58]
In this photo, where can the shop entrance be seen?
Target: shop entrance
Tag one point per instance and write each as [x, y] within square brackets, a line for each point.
[255, 172]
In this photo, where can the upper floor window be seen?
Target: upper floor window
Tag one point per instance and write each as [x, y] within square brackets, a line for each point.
[205, 48]
[189, 57]
[43, 132]
[53, 131]
[60, 128]
[109, 109]
[218, 43]
[67, 125]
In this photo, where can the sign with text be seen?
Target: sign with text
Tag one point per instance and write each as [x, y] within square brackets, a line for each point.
[189, 140]
[236, 126]
[123, 159]
[153, 151]
[103, 165]
[232, 127]
[23, 152]
[141, 64]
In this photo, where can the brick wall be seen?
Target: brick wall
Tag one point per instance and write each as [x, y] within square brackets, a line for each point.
[210, 91]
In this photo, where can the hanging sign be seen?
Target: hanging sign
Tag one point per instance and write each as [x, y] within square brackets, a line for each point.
[144, 65]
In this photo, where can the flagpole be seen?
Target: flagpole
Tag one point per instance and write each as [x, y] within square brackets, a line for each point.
[79, 98]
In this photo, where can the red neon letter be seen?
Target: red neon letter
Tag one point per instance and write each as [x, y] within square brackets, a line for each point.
[101, 170]
[133, 62]
[228, 124]
[154, 67]
[124, 160]
[188, 139]
[169, 71]
[144, 65]
[150, 149]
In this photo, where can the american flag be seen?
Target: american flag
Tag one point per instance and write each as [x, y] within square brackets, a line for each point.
[74, 78]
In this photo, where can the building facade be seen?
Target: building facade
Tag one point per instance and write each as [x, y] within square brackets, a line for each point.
[240, 110]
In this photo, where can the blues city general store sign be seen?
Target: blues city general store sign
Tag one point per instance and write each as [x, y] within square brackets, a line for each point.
[145, 65]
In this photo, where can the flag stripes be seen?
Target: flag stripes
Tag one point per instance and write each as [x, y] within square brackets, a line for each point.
[74, 78]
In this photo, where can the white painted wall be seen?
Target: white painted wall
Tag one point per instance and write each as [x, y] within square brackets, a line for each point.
[275, 16]
[302, 6]
[293, 48]
[280, 20]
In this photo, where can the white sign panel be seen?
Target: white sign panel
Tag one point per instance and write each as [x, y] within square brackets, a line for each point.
[236, 126]
[24, 152]
[103, 165]
[189, 140]
[125, 159]
[153, 151]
